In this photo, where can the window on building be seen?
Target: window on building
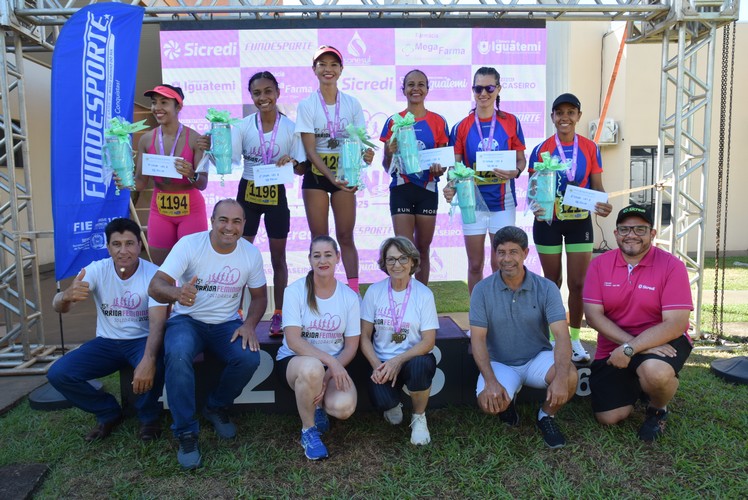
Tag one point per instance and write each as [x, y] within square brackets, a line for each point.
[643, 159]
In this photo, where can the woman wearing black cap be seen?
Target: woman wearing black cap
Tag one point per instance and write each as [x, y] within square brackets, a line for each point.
[570, 226]
[321, 120]
[177, 206]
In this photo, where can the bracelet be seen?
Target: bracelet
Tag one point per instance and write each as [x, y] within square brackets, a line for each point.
[195, 178]
[519, 172]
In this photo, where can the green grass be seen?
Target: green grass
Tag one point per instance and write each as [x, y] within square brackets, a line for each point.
[703, 454]
[450, 296]
[736, 277]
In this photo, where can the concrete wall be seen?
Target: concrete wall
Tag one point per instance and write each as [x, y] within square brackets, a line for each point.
[589, 60]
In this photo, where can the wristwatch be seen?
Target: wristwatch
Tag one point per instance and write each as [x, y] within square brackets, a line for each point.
[628, 350]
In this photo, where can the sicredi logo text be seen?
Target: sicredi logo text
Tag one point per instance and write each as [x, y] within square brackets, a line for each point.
[173, 50]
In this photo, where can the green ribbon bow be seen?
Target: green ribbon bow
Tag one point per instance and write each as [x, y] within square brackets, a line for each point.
[121, 129]
[551, 163]
[461, 172]
[215, 116]
[359, 133]
[402, 121]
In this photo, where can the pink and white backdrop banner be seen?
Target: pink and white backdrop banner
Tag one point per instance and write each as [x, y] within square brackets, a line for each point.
[213, 68]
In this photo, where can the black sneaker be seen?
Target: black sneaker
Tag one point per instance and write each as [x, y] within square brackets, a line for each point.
[654, 425]
[551, 433]
[510, 416]
[188, 454]
[219, 417]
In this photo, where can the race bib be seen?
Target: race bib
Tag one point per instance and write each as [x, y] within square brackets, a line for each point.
[489, 178]
[173, 204]
[261, 195]
[331, 160]
[565, 212]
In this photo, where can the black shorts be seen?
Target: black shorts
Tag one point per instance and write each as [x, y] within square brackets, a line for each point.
[576, 234]
[277, 217]
[613, 387]
[410, 199]
[312, 181]
[280, 368]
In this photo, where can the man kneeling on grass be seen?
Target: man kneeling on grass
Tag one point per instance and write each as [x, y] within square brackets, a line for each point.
[638, 298]
[511, 312]
[129, 332]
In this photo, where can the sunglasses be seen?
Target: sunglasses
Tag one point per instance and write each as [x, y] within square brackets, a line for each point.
[478, 89]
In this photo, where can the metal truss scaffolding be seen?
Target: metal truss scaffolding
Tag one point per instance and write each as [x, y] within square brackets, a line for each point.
[685, 28]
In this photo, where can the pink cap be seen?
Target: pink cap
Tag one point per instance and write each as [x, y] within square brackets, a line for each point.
[166, 91]
[327, 49]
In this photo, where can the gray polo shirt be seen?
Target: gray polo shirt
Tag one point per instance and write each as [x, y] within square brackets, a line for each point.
[517, 321]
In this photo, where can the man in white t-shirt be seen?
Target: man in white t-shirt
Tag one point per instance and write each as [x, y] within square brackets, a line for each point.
[129, 332]
[212, 268]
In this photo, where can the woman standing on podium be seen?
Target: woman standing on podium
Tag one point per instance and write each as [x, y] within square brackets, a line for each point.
[321, 120]
[488, 128]
[177, 206]
[321, 326]
[413, 197]
[267, 137]
[398, 333]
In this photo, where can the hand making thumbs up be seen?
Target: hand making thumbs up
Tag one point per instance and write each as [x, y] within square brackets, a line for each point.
[78, 289]
[188, 292]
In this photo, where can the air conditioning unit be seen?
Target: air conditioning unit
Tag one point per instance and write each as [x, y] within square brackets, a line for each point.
[609, 133]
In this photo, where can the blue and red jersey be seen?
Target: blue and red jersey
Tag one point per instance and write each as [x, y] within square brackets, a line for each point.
[589, 161]
[507, 136]
[431, 132]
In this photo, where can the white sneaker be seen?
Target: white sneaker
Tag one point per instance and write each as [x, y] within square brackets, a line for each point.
[394, 415]
[578, 353]
[419, 434]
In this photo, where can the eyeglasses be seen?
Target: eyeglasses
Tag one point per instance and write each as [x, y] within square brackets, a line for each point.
[403, 259]
[478, 89]
[638, 230]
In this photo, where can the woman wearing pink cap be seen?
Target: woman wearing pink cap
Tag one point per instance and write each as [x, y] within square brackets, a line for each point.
[177, 206]
[321, 120]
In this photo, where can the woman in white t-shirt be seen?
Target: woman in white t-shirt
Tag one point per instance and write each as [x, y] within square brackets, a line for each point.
[321, 119]
[398, 333]
[322, 325]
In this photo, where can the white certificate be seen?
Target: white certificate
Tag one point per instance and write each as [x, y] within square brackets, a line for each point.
[583, 198]
[486, 161]
[160, 166]
[269, 175]
[443, 156]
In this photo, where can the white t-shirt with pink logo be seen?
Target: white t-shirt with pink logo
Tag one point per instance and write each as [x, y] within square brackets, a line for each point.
[339, 317]
[122, 305]
[220, 277]
[420, 315]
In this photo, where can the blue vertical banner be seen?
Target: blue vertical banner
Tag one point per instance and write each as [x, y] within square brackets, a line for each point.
[93, 80]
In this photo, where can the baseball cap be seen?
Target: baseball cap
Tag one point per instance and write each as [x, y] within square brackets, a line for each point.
[167, 91]
[634, 211]
[327, 49]
[567, 99]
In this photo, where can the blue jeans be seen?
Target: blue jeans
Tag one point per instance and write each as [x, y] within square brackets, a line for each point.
[98, 358]
[185, 338]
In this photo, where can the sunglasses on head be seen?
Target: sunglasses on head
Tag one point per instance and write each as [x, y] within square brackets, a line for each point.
[478, 89]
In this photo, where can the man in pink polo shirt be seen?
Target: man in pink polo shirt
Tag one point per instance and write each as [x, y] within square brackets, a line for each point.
[638, 298]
